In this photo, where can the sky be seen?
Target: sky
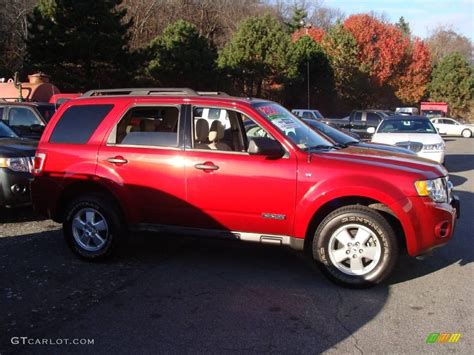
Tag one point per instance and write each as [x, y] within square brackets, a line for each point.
[422, 15]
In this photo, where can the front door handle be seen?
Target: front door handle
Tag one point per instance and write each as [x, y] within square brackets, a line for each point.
[207, 166]
[118, 160]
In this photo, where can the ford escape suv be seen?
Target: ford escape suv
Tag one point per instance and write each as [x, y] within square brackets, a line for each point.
[176, 160]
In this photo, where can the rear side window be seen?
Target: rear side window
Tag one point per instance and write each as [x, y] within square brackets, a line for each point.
[78, 123]
[148, 126]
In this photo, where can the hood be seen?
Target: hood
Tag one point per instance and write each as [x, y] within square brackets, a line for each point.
[392, 138]
[392, 162]
[17, 147]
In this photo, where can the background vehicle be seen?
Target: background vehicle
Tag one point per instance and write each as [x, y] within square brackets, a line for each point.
[406, 111]
[451, 127]
[341, 138]
[309, 114]
[360, 120]
[148, 161]
[24, 118]
[415, 133]
[16, 161]
[434, 109]
[58, 99]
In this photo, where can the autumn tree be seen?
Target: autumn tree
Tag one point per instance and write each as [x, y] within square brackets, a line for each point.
[316, 34]
[258, 54]
[81, 44]
[413, 80]
[444, 41]
[453, 82]
[382, 47]
[182, 57]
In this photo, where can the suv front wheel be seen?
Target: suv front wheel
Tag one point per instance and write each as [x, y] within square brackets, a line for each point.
[92, 227]
[355, 246]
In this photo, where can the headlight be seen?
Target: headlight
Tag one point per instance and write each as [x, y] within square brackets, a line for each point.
[435, 189]
[15, 164]
[437, 146]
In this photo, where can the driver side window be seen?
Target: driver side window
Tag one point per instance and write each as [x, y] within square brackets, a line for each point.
[223, 130]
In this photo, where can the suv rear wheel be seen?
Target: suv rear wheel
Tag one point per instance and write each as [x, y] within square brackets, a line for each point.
[92, 227]
[355, 246]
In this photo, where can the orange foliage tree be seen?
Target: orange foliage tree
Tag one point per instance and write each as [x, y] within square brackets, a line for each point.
[391, 58]
[317, 34]
[412, 83]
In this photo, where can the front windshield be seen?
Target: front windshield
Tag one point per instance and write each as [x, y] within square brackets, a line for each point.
[6, 132]
[408, 125]
[291, 126]
[333, 133]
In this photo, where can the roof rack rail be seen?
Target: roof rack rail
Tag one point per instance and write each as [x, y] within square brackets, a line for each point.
[212, 93]
[140, 92]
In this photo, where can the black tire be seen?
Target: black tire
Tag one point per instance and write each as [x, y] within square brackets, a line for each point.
[382, 238]
[116, 230]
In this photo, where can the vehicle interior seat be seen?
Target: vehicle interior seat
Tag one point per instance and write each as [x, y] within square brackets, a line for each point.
[201, 134]
[216, 134]
[147, 125]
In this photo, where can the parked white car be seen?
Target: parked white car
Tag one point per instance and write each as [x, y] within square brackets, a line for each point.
[451, 127]
[308, 114]
[415, 133]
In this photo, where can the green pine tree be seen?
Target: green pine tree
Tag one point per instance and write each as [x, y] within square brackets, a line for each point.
[298, 18]
[452, 81]
[182, 57]
[404, 26]
[81, 44]
[259, 52]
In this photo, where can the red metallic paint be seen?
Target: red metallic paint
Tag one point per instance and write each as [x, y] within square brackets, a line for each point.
[162, 186]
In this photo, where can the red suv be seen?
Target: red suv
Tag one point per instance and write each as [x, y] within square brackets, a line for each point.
[176, 160]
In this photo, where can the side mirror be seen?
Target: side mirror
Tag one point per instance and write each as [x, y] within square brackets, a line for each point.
[37, 128]
[371, 130]
[265, 146]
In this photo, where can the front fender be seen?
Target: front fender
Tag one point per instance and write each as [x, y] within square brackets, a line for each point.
[321, 194]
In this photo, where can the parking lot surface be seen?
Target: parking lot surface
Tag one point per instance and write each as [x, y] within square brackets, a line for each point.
[177, 294]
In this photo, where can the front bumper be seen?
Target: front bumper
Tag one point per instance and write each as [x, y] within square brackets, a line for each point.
[431, 224]
[14, 188]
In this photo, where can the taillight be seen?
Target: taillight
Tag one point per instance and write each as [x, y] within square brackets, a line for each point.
[38, 163]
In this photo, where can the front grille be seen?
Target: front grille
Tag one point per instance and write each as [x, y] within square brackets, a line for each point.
[413, 146]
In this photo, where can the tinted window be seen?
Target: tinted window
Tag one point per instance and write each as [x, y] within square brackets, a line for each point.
[373, 117]
[1, 113]
[307, 114]
[358, 116]
[22, 116]
[78, 123]
[148, 126]
[448, 122]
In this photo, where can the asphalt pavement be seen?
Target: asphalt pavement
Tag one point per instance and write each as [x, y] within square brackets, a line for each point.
[190, 295]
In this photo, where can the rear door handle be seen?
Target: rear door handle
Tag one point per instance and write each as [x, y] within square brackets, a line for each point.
[207, 166]
[117, 160]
